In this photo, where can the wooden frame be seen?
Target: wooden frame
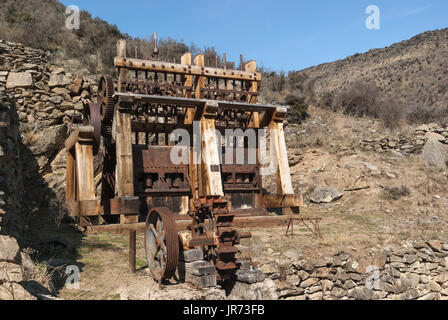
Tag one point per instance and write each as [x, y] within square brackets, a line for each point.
[205, 178]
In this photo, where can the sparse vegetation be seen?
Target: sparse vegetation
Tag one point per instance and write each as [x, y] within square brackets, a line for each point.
[395, 193]
[366, 99]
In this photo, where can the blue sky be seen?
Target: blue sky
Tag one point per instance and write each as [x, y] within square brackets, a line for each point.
[281, 35]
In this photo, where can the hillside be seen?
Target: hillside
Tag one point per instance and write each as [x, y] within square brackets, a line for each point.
[414, 71]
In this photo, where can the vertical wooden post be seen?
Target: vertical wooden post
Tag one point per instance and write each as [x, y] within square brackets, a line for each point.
[84, 171]
[186, 60]
[125, 169]
[121, 52]
[199, 84]
[70, 176]
[251, 66]
[199, 61]
[211, 183]
[132, 250]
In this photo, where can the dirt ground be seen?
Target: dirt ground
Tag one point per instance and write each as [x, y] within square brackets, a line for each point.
[401, 198]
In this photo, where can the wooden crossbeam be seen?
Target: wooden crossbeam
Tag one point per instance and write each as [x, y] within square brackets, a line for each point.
[243, 222]
[193, 103]
[157, 66]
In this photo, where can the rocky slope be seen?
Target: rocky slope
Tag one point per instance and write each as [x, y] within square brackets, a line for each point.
[415, 71]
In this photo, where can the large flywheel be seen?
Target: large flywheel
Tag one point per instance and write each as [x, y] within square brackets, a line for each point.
[106, 103]
[161, 243]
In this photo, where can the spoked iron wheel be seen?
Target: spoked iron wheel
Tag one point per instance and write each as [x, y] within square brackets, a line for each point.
[161, 243]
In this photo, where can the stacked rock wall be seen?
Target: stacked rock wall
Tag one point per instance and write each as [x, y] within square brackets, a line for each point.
[417, 270]
[406, 145]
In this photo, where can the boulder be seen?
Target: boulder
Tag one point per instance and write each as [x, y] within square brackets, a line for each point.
[14, 291]
[49, 140]
[10, 272]
[325, 194]
[9, 249]
[434, 153]
[19, 80]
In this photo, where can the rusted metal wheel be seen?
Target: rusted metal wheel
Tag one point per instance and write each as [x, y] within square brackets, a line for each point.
[106, 103]
[92, 117]
[161, 243]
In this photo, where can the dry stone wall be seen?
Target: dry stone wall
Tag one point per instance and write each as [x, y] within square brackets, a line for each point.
[48, 100]
[406, 145]
[411, 271]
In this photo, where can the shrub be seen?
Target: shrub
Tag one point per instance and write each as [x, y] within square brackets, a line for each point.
[299, 111]
[390, 112]
[360, 99]
[395, 193]
[419, 114]
[365, 99]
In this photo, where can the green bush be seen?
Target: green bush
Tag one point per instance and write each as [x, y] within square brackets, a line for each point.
[299, 108]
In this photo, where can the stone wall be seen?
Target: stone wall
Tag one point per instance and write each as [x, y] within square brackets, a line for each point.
[48, 100]
[416, 270]
[11, 189]
[406, 145]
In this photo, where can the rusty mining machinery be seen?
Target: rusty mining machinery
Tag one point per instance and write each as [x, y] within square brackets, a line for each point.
[189, 209]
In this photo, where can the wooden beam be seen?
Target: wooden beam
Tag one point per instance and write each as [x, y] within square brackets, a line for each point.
[210, 182]
[271, 201]
[188, 82]
[70, 176]
[131, 98]
[255, 123]
[125, 170]
[200, 81]
[189, 118]
[182, 225]
[157, 66]
[85, 188]
[122, 72]
[279, 152]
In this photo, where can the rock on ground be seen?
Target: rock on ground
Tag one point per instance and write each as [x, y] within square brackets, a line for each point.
[14, 291]
[9, 249]
[325, 194]
[434, 153]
